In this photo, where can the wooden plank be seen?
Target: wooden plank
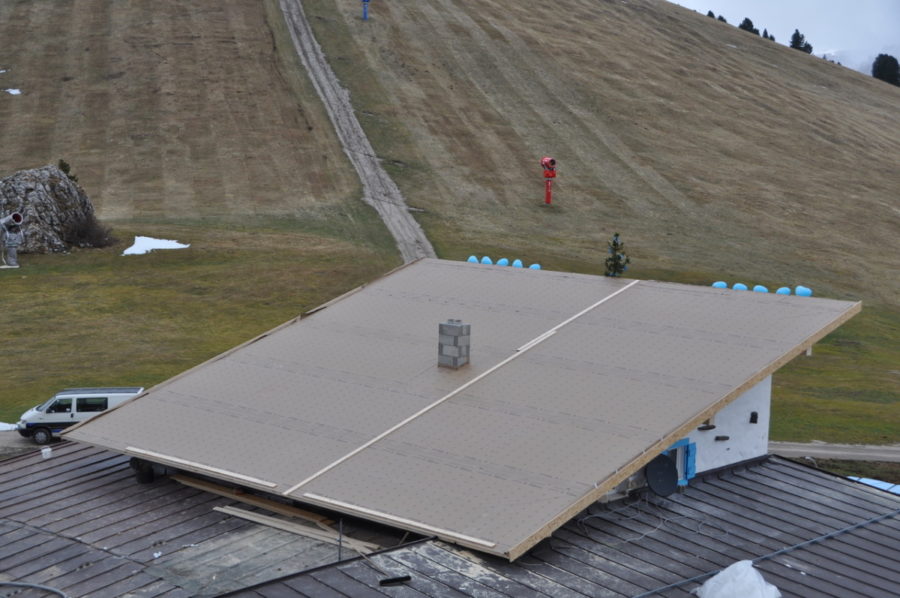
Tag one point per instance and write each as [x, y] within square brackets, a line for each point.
[252, 499]
[316, 534]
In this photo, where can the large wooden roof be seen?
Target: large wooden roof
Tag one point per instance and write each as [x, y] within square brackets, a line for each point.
[575, 383]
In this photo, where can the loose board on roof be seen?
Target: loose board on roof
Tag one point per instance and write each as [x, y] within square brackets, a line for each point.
[575, 382]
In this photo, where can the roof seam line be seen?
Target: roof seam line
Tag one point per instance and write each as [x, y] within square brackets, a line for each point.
[522, 350]
[401, 520]
[201, 466]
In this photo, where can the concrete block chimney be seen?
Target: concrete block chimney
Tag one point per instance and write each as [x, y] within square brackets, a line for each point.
[453, 344]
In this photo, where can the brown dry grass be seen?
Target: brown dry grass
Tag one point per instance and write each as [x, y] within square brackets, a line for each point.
[702, 144]
[168, 109]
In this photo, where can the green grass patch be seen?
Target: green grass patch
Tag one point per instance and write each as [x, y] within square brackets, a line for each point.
[95, 317]
[876, 470]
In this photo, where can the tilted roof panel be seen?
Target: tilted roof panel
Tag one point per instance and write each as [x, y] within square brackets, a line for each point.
[575, 382]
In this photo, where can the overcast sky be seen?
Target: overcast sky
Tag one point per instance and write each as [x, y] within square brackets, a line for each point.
[852, 32]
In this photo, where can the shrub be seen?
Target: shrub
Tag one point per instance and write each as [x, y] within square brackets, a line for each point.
[86, 231]
[64, 166]
[617, 262]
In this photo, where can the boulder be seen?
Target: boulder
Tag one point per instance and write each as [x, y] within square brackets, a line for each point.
[57, 212]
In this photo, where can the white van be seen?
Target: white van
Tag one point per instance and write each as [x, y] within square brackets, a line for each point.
[70, 406]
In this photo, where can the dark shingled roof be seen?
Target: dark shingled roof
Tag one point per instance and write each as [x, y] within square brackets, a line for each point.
[809, 532]
[80, 523]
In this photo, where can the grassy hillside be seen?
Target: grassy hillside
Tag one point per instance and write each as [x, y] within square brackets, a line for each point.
[182, 120]
[168, 109]
[716, 154]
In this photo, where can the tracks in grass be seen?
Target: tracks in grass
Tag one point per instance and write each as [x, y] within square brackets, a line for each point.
[379, 190]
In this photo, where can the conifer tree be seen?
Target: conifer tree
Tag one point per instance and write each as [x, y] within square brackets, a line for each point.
[887, 69]
[798, 42]
[617, 262]
[747, 25]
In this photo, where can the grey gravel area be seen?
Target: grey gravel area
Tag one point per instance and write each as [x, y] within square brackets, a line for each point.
[11, 444]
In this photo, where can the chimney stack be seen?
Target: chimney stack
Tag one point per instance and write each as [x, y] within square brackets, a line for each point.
[453, 344]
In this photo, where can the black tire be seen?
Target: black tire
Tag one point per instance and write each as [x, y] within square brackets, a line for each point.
[144, 473]
[42, 436]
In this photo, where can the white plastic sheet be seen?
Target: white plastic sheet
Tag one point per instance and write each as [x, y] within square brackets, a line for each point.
[739, 580]
[144, 245]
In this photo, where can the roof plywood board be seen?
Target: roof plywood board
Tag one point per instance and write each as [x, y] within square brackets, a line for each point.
[502, 459]
[283, 406]
[575, 383]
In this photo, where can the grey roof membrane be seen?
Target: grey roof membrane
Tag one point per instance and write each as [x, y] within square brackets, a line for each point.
[80, 523]
[808, 532]
[574, 383]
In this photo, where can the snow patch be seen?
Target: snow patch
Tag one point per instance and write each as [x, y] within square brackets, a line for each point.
[147, 244]
[6, 427]
[13, 92]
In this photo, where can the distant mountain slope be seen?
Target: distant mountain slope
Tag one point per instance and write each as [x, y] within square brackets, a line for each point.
[702, 144]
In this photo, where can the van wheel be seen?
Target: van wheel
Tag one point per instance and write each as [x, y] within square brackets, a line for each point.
[42, 436]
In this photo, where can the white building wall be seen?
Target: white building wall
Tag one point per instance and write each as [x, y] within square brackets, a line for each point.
[745, 440]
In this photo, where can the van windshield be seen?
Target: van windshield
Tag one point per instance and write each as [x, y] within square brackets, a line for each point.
[43, 406]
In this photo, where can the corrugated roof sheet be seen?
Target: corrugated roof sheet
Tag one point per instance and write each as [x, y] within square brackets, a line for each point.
[575, 382]
[645, 543]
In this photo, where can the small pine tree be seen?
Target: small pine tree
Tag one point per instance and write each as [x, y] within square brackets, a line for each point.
[798, 42]
[721, 18]
[887, 69]
[747, 25]
[711, 15]
[617, 262]
[64, 166]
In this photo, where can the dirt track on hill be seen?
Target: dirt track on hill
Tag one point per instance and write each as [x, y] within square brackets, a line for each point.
[379, 190]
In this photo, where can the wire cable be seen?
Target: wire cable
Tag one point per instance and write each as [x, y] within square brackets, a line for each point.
[34, 586]
[772, 555]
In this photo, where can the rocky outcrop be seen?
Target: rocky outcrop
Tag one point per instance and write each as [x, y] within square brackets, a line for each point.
[57, 212]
